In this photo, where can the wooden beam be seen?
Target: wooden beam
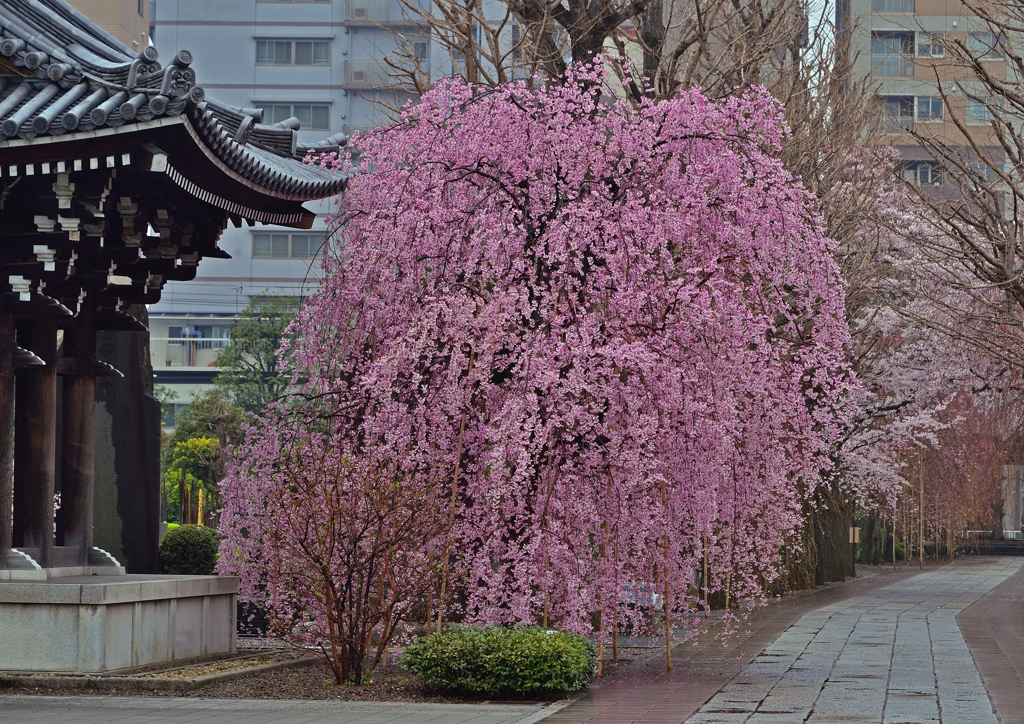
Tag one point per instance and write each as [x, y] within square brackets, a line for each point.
[6, 430]
[78, 441]
[35, 412]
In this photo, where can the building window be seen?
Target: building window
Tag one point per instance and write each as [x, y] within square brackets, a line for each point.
[898, 112]
[984, 173]
[170, 412]
[293, 52]
[312, 117]
[891, 55]
[930, 45]
[924, 173]
[143, 14]
[287, 246]
[419, 51]
[929, 109]
[979, 112]
[984, 46]
[892, 6]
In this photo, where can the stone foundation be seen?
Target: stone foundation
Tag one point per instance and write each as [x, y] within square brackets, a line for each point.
[92, 624]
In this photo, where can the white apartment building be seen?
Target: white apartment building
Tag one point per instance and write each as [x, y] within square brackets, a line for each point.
[319, 61]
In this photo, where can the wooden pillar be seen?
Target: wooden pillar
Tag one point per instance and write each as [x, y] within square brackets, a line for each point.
[34, 446]
[78, 440]
[6, 430]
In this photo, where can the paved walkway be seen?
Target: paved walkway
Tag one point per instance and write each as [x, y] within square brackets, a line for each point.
[994, 630]
[896, 655]
[126, 710]
[647, 693]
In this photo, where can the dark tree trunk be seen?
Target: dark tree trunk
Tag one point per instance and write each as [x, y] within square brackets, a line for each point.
[833, 518]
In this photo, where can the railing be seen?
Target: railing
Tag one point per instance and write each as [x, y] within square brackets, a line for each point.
[892, 66]
[178, 352]
[368, 11]
[892, 6]
[897, 124]
[366, 74]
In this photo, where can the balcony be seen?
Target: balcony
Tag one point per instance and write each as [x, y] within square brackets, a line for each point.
[366, 74]
[178, 353]
[892, 66]
[892, 6]
[897, 124]
[375, 12]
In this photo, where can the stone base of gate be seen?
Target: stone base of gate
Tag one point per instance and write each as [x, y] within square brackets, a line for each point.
[99, 623]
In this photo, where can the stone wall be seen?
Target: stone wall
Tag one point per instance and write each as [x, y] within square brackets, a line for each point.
[94, 624]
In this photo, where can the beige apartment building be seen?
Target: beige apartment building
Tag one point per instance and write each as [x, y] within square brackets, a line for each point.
[908, 48]
[126, 20]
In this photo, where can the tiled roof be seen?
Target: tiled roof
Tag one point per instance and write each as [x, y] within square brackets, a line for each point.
[61, 73]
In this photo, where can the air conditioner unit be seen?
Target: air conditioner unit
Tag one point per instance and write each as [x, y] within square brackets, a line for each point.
[360, 13]
[358, 76]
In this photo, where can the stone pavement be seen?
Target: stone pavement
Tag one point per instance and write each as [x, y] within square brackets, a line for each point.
[994, 630]
[895, 656]
[126, 710]
[645, 692]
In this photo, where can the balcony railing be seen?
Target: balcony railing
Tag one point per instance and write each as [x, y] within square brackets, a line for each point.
[366, 74]
[369, 11]
[892, 66]
[892, 6]
[897, 124]
[176, 352]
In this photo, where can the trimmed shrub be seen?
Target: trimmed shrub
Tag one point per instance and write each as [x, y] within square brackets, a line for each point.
[500, 661]
[189, 550]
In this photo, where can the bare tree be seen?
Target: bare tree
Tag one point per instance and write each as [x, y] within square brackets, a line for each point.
[971, 249]
[660, 45]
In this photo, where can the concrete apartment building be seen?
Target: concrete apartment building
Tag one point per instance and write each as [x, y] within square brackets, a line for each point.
[320, 61]
[902, 44]
[126, 20]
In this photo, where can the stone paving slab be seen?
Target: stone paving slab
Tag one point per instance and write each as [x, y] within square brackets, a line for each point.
[128, 710]
[645, 692]
[893, 656]
[994, 630]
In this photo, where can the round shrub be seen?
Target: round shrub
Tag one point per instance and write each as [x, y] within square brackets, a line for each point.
[501, 661]
[189, 550]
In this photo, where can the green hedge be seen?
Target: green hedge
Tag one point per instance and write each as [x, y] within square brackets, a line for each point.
[189, 550]
[501, 661]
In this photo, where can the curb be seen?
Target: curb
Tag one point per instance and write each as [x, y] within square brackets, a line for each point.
[133, 683]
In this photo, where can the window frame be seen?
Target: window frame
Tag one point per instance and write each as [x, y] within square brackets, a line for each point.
[931, 41]
[877, 6]
[292, 43]
[905, 62]
[994, 51]
[931, 117]
[315, 109]
[934, 176]
[975, 121]
[308, 237]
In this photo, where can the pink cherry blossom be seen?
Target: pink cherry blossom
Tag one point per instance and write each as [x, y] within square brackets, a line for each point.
[609, 342]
